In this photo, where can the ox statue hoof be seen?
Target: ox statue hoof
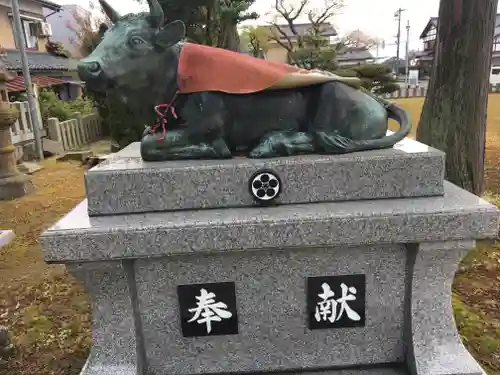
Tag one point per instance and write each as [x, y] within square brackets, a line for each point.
[173, 146]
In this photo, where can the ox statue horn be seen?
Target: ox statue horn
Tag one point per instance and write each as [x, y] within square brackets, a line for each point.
[109, 11]
[155, 14]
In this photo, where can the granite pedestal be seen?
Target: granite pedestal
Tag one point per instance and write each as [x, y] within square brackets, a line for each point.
[348, 272]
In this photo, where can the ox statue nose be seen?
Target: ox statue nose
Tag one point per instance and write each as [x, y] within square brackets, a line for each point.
[88, 69]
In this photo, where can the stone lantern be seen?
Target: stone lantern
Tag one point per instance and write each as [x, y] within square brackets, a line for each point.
[13, 184]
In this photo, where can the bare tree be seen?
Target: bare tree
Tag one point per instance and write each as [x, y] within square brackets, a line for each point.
[317, 17]
[454, 113]
[86, 30]
[412, 54]
[255, 39]
[358, 38]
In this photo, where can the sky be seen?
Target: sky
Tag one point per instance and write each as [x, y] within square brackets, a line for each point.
[376, 18]
[373, 17]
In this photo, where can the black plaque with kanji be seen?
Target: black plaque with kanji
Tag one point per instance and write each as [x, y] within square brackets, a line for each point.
[208, 309]
[336, 301]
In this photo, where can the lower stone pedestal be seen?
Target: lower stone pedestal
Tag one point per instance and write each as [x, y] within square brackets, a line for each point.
[6, 236]
[15, 186]
[344, 288]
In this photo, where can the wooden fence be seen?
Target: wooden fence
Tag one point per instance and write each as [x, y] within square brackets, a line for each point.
[71, 134]
[421, 92]
[22, 129]
[75, 133]
[413, 92]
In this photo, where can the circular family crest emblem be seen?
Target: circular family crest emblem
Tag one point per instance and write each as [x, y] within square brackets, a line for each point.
[265, 186]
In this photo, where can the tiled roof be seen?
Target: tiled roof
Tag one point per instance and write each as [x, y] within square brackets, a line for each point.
[304, 28]
[48, 4]
[497, 25]
[421, 54]
[38, 61]
[17, 84]
[354, 54]
[434, 21]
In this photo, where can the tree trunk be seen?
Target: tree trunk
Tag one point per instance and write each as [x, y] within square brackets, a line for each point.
[228, 37]
[208, 28]
[454, 113]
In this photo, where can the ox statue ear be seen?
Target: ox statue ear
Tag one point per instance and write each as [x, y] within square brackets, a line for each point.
[170, 34]
[102, 29]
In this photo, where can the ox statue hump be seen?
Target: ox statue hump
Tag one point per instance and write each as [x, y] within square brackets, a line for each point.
[220, 103]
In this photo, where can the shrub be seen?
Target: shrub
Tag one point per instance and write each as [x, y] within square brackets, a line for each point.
[377, 78]
[310, 57]
[52, 106]
[125, 122]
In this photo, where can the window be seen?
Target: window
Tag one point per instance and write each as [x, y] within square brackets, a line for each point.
[30, 38]
[495, 71]
[496, 44]
[429, 45]
[430, 35]
[28, 32]
[432, 31]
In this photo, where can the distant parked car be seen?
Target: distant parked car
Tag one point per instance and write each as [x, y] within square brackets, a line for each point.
[495, 75]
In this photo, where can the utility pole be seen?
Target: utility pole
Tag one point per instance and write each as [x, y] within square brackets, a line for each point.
[407, 67]
[18, 35]
[397, 14]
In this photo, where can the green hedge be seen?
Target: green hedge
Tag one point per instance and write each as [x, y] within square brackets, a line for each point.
[52, 106]
[377, 78]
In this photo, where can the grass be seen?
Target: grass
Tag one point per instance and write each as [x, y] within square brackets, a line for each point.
[476, 304]
[48, 315]
[46, 311]
[492, 160]
[476, 289]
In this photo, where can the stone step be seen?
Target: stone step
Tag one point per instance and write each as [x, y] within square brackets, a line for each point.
[126, 184]
[29, 167]
[6, 236]
[455, 215]
[396, 369]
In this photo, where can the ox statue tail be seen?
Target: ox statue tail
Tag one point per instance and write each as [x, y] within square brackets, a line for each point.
[340, 145]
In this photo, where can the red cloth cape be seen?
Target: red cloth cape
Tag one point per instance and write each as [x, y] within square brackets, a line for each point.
[203, 68]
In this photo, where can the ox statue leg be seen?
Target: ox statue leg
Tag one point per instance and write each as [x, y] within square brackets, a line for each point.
[199, 137]
[283, 143]
[342, 120]
[350, 120]
[175, 145]
[345, 115]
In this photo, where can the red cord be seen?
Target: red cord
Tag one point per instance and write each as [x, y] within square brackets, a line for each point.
[163, 115]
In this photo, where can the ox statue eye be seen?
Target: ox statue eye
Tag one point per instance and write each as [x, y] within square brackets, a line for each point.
[136, 41]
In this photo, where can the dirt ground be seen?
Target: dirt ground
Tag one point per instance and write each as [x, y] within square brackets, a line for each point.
[47, 312]
[476, 298]
[492, 161]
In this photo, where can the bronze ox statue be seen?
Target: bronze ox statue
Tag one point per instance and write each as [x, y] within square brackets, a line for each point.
[220, 103]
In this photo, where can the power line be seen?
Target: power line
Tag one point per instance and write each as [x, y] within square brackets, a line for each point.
[397, 14]
[32, 102]
[407, 62]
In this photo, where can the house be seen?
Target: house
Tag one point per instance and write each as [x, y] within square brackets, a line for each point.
[276, 52]
[247, 52]
[65, 26]
[396, 65]
[350, 56]
[428, 38]
[46, 69]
